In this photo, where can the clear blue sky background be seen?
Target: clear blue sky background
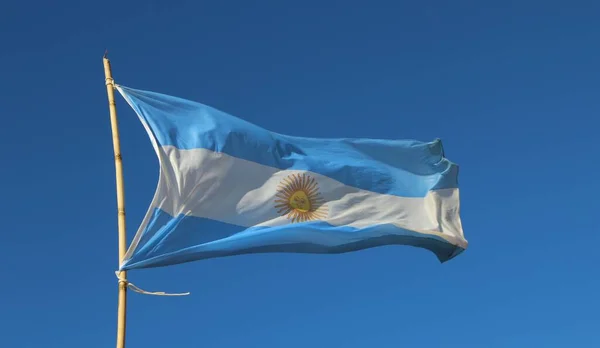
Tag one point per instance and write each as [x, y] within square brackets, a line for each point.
[511, 87]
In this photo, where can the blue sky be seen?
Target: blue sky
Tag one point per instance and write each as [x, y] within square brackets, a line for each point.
[511, 87]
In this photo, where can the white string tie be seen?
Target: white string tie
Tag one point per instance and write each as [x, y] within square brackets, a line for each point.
[144, 292]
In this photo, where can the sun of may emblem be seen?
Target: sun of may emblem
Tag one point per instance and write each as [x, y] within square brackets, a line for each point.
[299, 199]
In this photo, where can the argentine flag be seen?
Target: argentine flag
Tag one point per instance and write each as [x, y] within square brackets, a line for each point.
[228, 187]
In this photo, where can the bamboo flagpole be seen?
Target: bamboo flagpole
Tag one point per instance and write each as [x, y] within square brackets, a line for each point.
[121, 315]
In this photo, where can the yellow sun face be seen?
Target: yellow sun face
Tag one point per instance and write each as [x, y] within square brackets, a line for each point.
[299, 199]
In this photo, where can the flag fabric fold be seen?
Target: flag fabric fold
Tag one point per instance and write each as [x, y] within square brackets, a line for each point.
[228, 187]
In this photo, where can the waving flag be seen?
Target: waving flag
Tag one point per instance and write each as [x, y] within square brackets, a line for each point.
[228, 187]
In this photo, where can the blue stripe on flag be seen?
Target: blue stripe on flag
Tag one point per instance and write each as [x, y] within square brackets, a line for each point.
[398, 167]
[171, 240]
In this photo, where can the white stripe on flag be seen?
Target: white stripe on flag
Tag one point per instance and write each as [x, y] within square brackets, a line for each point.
[203, 183]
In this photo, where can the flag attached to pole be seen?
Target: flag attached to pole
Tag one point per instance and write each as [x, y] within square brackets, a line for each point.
[228, 187]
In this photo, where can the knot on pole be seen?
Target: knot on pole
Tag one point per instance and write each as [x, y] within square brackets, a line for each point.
[144, 292]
